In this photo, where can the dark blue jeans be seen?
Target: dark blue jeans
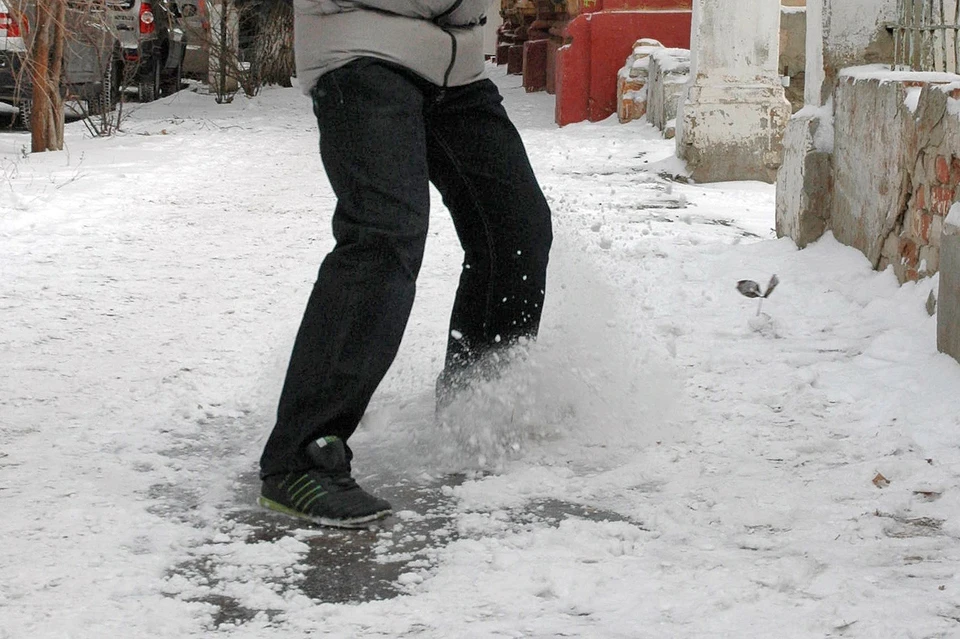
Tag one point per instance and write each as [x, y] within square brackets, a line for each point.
[384, 135]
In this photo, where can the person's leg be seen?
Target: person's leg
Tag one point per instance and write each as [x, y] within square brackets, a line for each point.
[479, 164]
[373, 146]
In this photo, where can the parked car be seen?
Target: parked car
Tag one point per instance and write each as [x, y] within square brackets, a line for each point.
[153, 44]
[87, 69]
[141, 42]
[13, 28]
[196, 17]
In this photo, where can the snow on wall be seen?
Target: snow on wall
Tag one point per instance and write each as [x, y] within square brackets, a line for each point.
[632, 81]
[651, 83]
[884, 74]
[669, 71]
[953, 104]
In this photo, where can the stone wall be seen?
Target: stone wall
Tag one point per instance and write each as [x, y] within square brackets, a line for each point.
[650, 84]
[870, 182]
[632, 80]
[913, 247]
[896, 178]
[793, 52]
[668, 74]
[805, 179]
[838, 32]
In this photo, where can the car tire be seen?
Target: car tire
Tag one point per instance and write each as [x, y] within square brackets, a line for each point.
[109, 93]
[22, 119]
[150, 84]
[174, 81]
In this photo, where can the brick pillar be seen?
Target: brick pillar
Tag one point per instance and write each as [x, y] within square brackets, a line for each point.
[734, 111]
[515, 59]
[552, 47]
[535, 65]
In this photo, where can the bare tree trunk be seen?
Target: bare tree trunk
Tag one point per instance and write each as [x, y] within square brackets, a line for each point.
[39, 69]
[46, 67]
[275, 44]
[56, 72]
[222, 78]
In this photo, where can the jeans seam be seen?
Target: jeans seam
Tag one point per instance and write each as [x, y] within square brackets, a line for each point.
[336, 86]
[316, 93]
[483, 219]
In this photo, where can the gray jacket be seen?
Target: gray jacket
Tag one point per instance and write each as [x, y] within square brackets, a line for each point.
[440, 40]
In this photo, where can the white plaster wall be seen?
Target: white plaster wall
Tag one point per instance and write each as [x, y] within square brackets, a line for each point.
[851, 25]
[733, 112]
[814, 73]
[734, 41]
[950, 9]
[839, 33]
[490, 30]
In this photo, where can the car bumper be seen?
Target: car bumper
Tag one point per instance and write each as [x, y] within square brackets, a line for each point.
[15, 85]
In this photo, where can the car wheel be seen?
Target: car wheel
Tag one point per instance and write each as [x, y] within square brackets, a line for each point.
[109, 92]
[173, 83]
[150, 85]
[23, 117]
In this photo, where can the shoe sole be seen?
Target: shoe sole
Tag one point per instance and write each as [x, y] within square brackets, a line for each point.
[353, 522]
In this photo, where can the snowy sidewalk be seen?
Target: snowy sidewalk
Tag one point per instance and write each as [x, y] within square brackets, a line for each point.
[668, 464]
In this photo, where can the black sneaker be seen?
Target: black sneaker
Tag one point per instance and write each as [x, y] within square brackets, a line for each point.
[327, 494]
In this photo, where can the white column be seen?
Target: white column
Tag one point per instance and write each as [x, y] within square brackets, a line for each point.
[734, 111]
[490, 29]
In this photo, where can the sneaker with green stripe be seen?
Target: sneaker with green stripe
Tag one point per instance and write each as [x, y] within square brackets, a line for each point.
[326, 494]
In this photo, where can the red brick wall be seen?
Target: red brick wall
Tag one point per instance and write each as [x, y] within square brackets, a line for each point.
[936, 188]
[586, 6]
[933, 165]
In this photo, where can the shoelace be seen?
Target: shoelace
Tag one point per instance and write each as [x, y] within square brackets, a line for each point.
[341, 479]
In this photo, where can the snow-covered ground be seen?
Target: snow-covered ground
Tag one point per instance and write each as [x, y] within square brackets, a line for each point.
[666, 463]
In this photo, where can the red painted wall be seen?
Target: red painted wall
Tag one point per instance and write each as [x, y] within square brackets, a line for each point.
[586, 73]
[635, 5]
[593, 6]
[572, 78]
